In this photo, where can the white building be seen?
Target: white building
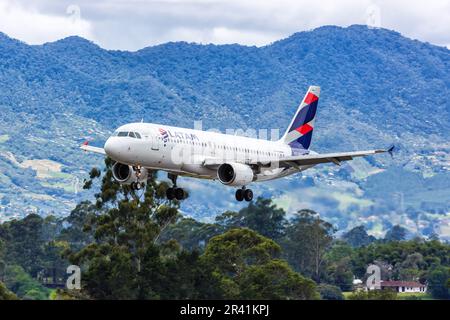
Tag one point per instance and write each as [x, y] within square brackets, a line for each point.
[404, 286]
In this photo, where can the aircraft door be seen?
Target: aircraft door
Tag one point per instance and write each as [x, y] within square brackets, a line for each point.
[155, 143]
[212, 148]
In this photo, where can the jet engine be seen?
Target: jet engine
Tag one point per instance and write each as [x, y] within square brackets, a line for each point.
[235, 174]
[125, 174]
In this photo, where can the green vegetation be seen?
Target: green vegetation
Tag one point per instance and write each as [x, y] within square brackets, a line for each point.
[5, 294]
[136, 245]
[415, 296]
[373, 295]
[329, 292]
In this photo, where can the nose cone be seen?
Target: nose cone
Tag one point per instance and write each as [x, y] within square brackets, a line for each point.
[112, 148]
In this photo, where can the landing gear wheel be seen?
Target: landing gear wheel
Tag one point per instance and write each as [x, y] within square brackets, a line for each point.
[136, 185]
[170, 194]
[240, 195]
[179, 194]
[248, 195]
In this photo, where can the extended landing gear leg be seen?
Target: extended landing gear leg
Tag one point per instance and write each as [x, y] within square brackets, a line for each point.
[244, 194]
[138, 184]
[174, 192]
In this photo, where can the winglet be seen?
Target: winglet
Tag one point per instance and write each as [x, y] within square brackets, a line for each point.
[86, 147]
[391, 151]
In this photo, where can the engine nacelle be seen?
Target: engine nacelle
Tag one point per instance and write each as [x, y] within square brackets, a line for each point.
[124, 174]
[235, 174]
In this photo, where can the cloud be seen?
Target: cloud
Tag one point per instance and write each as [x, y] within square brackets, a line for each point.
[34, 27]
[134, 24]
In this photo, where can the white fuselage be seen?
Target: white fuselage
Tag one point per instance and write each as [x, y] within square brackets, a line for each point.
[194, 153]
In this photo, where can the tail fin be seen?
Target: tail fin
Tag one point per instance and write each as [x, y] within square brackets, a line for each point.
[300, 131]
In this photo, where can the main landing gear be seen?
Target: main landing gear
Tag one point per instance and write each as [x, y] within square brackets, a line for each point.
[244, 194]
[174, 192]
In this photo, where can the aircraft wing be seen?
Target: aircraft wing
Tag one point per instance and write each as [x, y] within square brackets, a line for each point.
[305, 160]
[335, 158]
[89, 148]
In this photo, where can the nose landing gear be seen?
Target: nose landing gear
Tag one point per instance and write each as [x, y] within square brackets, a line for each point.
[138, 185]
[244, 194]
[175, 192]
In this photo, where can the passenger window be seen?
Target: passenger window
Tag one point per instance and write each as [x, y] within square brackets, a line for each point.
[122, 134]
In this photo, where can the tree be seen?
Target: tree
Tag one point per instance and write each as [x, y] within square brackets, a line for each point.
[306, 241]
[246, 266]
[125, 233]
[358, 237]
[78, 231]
[329, 292]
[236, 249]
[438, 282]
[410, 269]
[5, 294]
[397, 233]
[23, 285]
[338, 260]
[191, 234]
[25, 243]
[188, 276]
[2, 262]
[275, 280]
[262, 216]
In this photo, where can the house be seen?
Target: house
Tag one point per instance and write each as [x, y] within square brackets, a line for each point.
[404, 286]
[358, 284]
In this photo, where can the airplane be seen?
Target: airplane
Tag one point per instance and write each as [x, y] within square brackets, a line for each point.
[234, 161]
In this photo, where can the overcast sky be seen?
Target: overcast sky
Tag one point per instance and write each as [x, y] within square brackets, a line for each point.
[134, 24]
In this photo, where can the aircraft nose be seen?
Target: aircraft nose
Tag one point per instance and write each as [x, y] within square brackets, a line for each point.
[111, 148]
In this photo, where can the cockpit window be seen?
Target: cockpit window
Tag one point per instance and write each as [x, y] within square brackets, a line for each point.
[130, 134]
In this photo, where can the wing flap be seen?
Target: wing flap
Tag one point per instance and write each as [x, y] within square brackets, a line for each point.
[335, 158]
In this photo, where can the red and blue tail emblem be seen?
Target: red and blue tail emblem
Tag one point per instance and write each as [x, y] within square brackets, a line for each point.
[299, 134]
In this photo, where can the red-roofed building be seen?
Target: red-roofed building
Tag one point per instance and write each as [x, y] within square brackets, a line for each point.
[404, 286]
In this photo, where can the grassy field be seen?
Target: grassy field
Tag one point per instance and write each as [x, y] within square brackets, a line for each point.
[346, 294]
[414, 296]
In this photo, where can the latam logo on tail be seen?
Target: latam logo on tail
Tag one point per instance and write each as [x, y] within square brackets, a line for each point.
[299, 135]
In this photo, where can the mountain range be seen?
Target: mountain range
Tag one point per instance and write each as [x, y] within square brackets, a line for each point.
[378, 88]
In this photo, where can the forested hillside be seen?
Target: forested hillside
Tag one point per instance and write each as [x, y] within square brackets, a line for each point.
[378, 88]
